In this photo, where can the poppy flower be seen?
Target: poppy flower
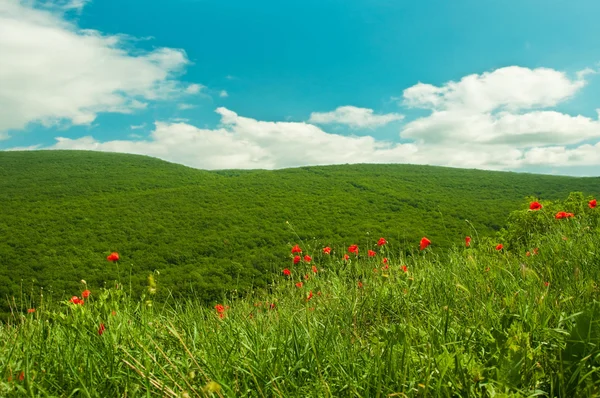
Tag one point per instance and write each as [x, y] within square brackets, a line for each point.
[353, 249]
[220, 308]
[560, 215]
[310, 295]
[535, 206]
[306, 277]
[375, 270]
[76, 300]
[536, 250]
[424, 243]
[299, 284]
[372, 253]
[296, 259]
[360, 284]
[528, 254]
[385, 260]
[592, 203]
[287, 272]
[499, 247]
[346, 257]
[404, 268]
[113, 257]
[546, 284]
[569, 215]
[101, 329]
[296, 249]
[21, 376]
[85, 294]
[314, 269]
[386, 266]
[272, 306]
[31, 310]
[381, 242]
[468, 241]
[307, 258]
[327, 250]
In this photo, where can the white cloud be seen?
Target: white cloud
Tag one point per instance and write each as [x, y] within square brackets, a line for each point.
[248, 143]
[223, 94]
[512, 88]
[194, 88]
[139, 126]
[354, 117]
[500, 119]
[184, 107]
[53, 72]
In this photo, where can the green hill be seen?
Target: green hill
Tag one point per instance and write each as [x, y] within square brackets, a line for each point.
[62, 212]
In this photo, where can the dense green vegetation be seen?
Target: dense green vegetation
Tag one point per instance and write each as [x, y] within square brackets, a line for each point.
[472, 322]
[63, 212]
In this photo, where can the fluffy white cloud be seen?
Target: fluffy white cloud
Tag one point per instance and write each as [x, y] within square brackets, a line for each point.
[248, 143]
[512, 88]
[354, 117]
[501, 119]
[52, 71]
[194, 88]
[223, 94]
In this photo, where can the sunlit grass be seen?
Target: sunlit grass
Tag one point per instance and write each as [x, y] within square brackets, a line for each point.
[471, 322]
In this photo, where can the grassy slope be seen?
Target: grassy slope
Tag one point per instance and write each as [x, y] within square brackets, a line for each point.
[470, 322]
[63, 212]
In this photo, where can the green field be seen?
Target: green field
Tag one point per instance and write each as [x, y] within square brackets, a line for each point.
[210, 233]
[478, 321]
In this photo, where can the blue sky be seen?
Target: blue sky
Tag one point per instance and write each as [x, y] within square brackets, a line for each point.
[278, 71]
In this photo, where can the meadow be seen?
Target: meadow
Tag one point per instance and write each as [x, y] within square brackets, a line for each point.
[215, 233]
[514, 314]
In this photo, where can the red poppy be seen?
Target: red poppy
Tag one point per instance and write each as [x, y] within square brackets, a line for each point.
[381, 242]
[76, 300]
[561, 214]
[307, 258]
[327, 250]
[386, 266]
[528, 254]
[101, 329]
[372, 253]
[113, 257]
[296, 249]
[272, 306]
[536, 250]
[404, 268]
[592, 203]
[310, 295]
[296, 259]
[31, 310]
[306, 277]
[375, 270]
[535, 206]
[385, 260]
[569, 215]
[546, 284]
[467, 241]
[499, 247]
[299, 284]
[220, 308]
[353, 249]
[287, 272]
[21, 376]
[114, 313]
[424, 243]
[360, 284]
[314, 269]
[85, 294]
[346, 257]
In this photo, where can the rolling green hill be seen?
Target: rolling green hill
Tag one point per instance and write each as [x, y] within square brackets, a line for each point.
[62, 212]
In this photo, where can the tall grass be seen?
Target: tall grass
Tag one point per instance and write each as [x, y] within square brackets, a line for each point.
[472, 322]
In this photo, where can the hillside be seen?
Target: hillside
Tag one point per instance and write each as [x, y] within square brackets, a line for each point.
[62, 212]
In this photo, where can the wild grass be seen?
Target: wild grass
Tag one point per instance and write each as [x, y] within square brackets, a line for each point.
[472, 322]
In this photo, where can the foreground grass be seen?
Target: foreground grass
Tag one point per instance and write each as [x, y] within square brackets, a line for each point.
[474, 322]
